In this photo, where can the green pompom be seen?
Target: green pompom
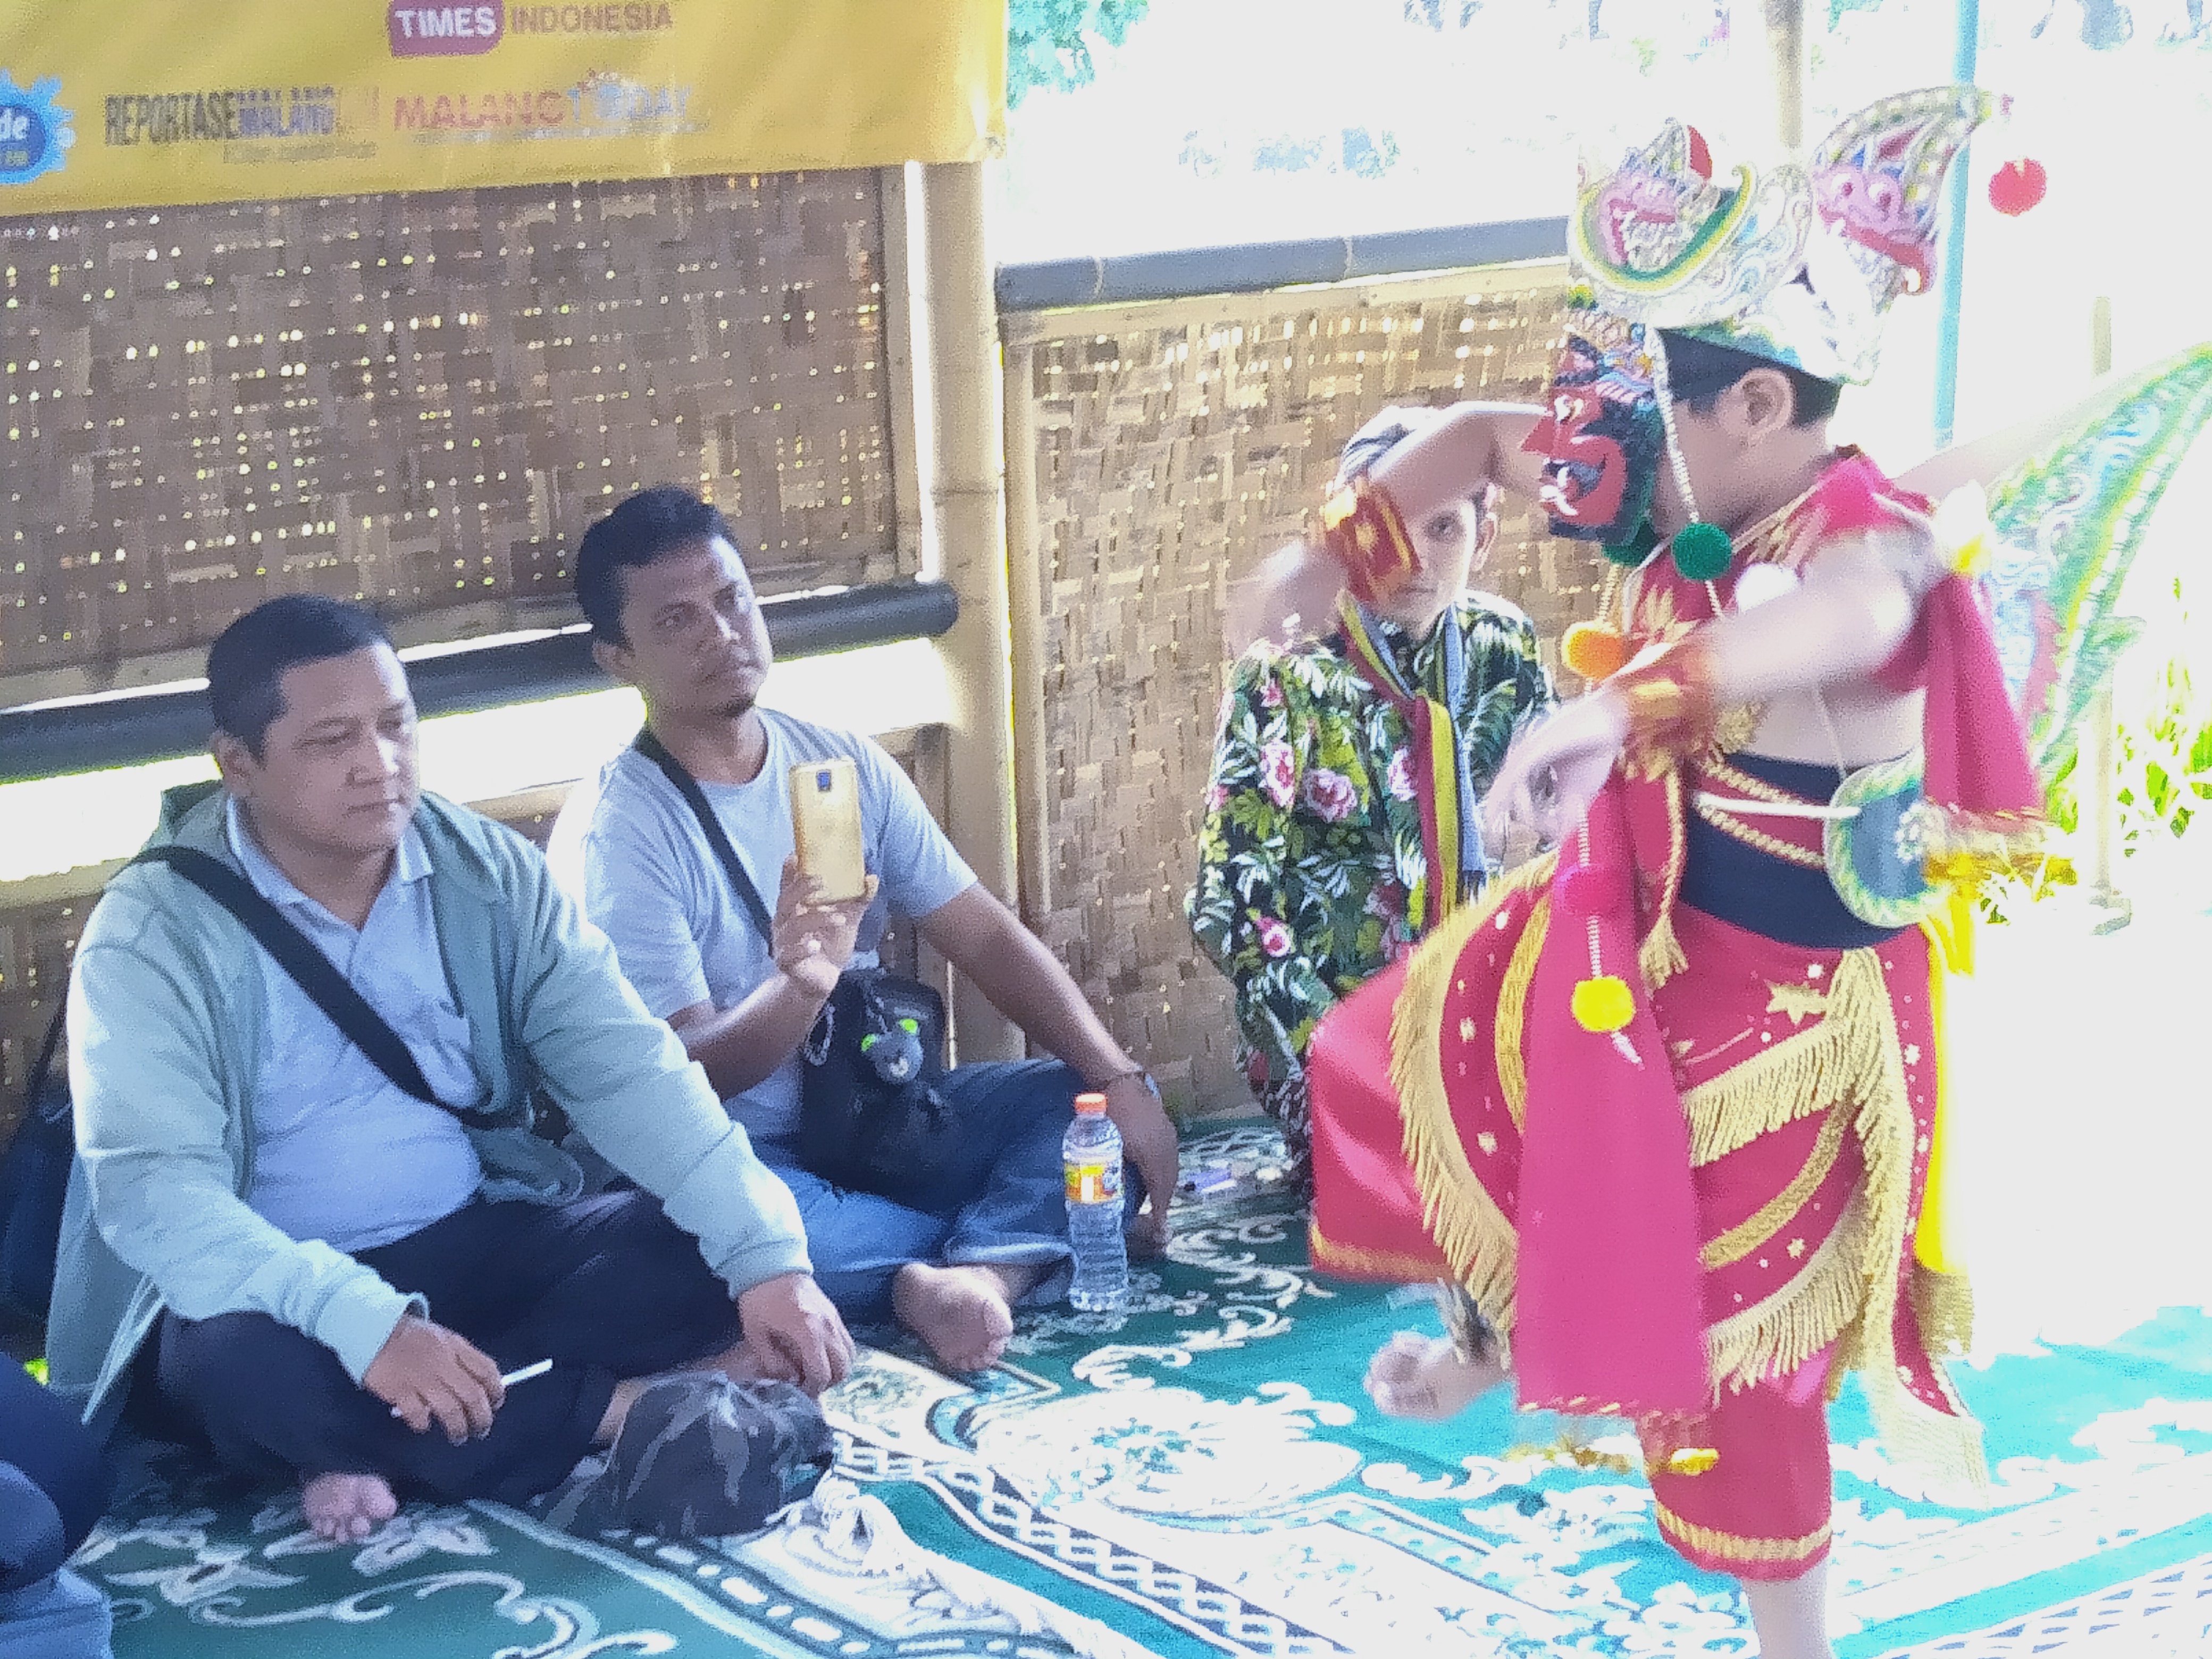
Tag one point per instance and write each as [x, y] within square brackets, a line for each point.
[1702, 551]
[1638, 548]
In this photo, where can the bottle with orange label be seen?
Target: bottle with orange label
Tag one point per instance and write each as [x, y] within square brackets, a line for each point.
[1090, 1155]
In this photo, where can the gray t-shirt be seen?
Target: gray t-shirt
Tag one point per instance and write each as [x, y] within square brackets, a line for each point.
[629, 845]
[341, 1153]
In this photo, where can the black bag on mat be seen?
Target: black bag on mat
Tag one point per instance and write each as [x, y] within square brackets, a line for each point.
[871, 1119]
[35, 1173]
[699, 1457]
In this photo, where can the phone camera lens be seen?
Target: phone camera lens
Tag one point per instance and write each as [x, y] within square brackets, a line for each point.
[822, 783]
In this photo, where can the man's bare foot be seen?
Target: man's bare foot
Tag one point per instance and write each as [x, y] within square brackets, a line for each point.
[1424, 1377]
[347, 1508]
[963, 1312]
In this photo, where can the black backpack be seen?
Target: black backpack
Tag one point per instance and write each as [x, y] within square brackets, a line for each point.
[34, 1175]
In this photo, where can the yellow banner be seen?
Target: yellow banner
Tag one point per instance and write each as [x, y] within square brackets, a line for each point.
[135, 103]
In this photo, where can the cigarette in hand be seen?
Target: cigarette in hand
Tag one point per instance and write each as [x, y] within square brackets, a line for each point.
[513, 1378]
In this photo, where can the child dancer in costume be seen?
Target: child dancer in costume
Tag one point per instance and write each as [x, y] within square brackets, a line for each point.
[1347, 770]
[1668, 1093]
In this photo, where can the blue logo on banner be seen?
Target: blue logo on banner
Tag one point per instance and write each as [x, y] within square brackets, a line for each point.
[34, 134]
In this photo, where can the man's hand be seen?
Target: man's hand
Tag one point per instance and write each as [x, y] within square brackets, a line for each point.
[1148, 1140]
[425, 1371]
[794, 1332]
[813, 939]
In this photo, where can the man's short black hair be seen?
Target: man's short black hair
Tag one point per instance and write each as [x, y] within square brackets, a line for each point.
[644, 527]
[246, 665]
[1697, 372]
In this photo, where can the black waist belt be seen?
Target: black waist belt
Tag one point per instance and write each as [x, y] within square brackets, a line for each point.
[1737, 883]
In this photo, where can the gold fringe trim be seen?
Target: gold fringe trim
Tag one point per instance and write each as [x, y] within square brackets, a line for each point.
[1477, 1240]
[1325, 1252]
[1513, 1009]
[1741, 1240]
[1774, 1336]
[1885, 1126]
[1943, 1306]
[1737, 725]
[1836, 1062]
[1660, 957]
[1944, 1449]
[1730, 1546]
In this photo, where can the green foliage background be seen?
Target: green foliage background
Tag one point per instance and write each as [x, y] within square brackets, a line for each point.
[1047, 41]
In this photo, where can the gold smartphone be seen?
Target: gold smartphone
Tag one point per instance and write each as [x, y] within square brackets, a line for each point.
[825, 826]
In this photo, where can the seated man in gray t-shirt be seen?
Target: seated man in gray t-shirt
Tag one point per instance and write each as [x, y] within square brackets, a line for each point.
[673, 613]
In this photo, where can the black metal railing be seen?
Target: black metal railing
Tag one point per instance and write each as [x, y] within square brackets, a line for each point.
[92, 734]
[1189, 273]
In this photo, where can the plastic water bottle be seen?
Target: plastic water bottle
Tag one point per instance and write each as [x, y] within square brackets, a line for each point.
[1091, 1156]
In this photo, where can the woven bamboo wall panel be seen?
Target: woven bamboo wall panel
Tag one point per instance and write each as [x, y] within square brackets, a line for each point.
[1170, 458]
[422, 401]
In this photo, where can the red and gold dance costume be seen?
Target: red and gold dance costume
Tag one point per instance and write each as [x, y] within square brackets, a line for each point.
[1678, 1163]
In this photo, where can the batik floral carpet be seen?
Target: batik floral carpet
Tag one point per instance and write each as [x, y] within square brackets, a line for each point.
[1209, 1478]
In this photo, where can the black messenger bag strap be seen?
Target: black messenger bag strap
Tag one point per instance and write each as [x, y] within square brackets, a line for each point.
[300, 956]
[711, 825]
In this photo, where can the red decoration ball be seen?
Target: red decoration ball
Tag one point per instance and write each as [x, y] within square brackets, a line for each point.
[2017, 186]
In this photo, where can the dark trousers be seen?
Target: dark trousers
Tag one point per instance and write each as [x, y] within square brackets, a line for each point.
[52, 1489]
[606, 1287]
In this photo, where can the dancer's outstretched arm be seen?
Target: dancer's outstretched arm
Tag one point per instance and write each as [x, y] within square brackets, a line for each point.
[1473, 446]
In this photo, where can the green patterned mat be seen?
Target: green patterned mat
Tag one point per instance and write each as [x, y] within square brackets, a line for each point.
[1209, 1478]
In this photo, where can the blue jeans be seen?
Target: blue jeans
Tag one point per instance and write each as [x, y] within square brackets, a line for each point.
[1004, 1204]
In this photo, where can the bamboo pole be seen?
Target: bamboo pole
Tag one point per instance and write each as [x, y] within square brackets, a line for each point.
[909, 376]
[1025, 587]
[1966, 54]
[1785, 50]
[967, 505]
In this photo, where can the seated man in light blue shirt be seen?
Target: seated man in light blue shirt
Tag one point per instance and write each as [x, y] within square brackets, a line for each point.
[673, 613]
[302, 1261]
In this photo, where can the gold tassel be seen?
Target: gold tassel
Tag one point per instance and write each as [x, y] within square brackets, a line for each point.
[1660, 957]
[1943, 1448]
[1943, 1308]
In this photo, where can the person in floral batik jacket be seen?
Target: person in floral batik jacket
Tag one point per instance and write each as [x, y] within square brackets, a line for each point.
[1315, 854]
